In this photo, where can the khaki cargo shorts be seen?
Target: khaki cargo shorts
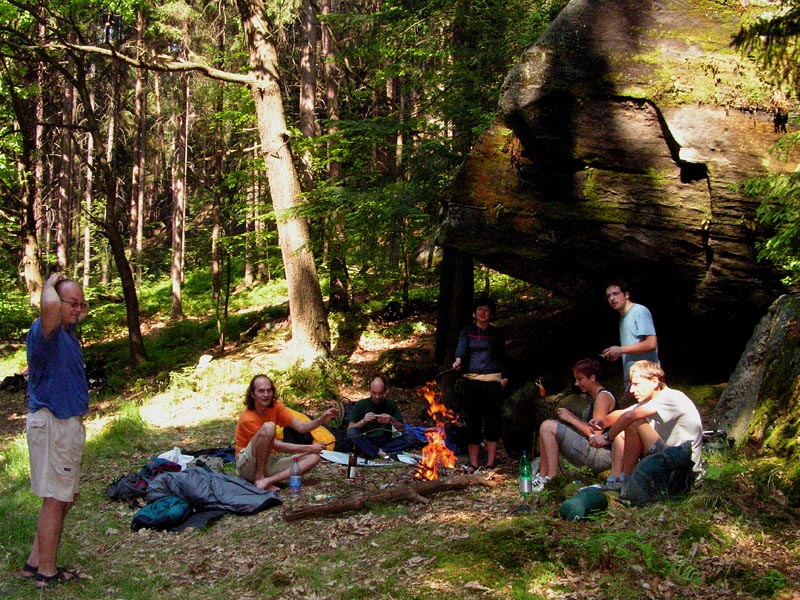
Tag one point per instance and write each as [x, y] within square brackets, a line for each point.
[55, 447]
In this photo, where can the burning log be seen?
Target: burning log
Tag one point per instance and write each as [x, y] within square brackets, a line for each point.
[414, 492]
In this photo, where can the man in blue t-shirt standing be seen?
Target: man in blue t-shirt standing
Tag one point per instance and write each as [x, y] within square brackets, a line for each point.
[637, 333]
[59, 397]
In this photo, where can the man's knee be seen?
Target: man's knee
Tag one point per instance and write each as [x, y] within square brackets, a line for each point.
[549, 426]
[266, 431]
[353, 432]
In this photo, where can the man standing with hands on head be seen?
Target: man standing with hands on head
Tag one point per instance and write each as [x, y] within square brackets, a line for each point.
[59, 397]
[637, 333]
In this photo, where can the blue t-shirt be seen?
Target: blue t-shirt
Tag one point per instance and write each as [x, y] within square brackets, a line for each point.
[634, 326]
[56, 376]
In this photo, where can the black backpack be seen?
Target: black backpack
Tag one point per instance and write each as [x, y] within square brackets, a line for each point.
[134, 485]
[660, 476]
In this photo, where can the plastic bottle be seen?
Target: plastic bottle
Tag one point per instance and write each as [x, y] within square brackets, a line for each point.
[352, 462]
[294, 477]
[525, 475]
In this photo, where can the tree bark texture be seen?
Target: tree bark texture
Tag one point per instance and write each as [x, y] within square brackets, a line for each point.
[339, 284]
[310, 332]
[179, 206]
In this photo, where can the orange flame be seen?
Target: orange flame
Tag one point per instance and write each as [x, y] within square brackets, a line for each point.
[436, 452]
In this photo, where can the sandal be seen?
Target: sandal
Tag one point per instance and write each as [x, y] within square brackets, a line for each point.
[29, 572]
[62, 575]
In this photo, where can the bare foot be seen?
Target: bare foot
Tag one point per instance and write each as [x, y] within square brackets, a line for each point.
[28, 572]
[264, 484]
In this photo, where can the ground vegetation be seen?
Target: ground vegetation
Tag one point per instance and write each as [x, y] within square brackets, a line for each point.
[735, 536]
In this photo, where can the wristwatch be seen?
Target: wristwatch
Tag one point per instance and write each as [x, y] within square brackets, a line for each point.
[605, 437]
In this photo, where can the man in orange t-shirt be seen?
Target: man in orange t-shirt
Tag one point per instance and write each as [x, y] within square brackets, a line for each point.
[256, 446]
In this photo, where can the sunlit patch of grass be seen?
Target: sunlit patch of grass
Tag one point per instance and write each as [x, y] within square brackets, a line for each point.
[14, 463]
[318, 381]
[18, 505]
[124, 433]
[12, 361]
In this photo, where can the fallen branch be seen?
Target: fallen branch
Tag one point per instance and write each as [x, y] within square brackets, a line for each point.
[413, 492]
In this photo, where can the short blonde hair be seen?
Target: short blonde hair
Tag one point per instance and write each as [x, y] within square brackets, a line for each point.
[648, 370]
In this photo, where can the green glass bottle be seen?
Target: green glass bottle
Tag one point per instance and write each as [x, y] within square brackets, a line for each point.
[525, 475]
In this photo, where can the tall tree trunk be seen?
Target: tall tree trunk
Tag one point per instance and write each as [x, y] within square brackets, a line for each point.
[111, 221]
[179, 210]
[160, 156]
[88, 188]
[64, 198]
[308, 87]
[339, 286]
[259, 234]
[219, 163]
[110, 186]
[32, 256]
[136, 224]
[310, 331]
[29, 114]
[249, 229]
[87, 204]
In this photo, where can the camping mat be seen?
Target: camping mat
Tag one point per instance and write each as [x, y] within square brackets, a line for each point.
[342, 459]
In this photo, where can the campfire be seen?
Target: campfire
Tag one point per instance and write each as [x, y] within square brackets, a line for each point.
[436, 452]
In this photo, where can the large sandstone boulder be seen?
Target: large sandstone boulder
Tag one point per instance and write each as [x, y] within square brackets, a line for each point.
[760, 407]
[762, 397]
[623, 138]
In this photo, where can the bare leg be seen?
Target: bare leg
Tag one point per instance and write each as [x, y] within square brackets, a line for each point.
[617, 452]
[644, 436]
[473, 450]
[491, 453]
[48, 535]
[307, 462]
[639, 438]
[262, 448]
[548, 449]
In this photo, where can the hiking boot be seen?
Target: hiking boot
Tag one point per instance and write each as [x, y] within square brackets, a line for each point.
[612, 484]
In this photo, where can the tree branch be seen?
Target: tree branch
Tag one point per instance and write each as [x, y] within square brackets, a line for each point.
[414, 492]
[161, 63]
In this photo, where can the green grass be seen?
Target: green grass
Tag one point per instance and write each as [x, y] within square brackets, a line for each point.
[729, 534]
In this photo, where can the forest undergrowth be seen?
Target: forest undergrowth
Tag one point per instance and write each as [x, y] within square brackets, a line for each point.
[734, 536]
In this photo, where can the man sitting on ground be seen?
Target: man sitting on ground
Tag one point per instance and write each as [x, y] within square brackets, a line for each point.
[371, 423]
[662, 417]
[256, 446]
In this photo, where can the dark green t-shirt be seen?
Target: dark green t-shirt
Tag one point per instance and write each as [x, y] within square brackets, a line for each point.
[374, 429]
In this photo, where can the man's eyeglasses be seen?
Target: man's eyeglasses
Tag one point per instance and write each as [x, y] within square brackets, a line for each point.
[73, 304]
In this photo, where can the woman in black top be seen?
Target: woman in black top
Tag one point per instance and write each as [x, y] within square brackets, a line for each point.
[481, 355]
